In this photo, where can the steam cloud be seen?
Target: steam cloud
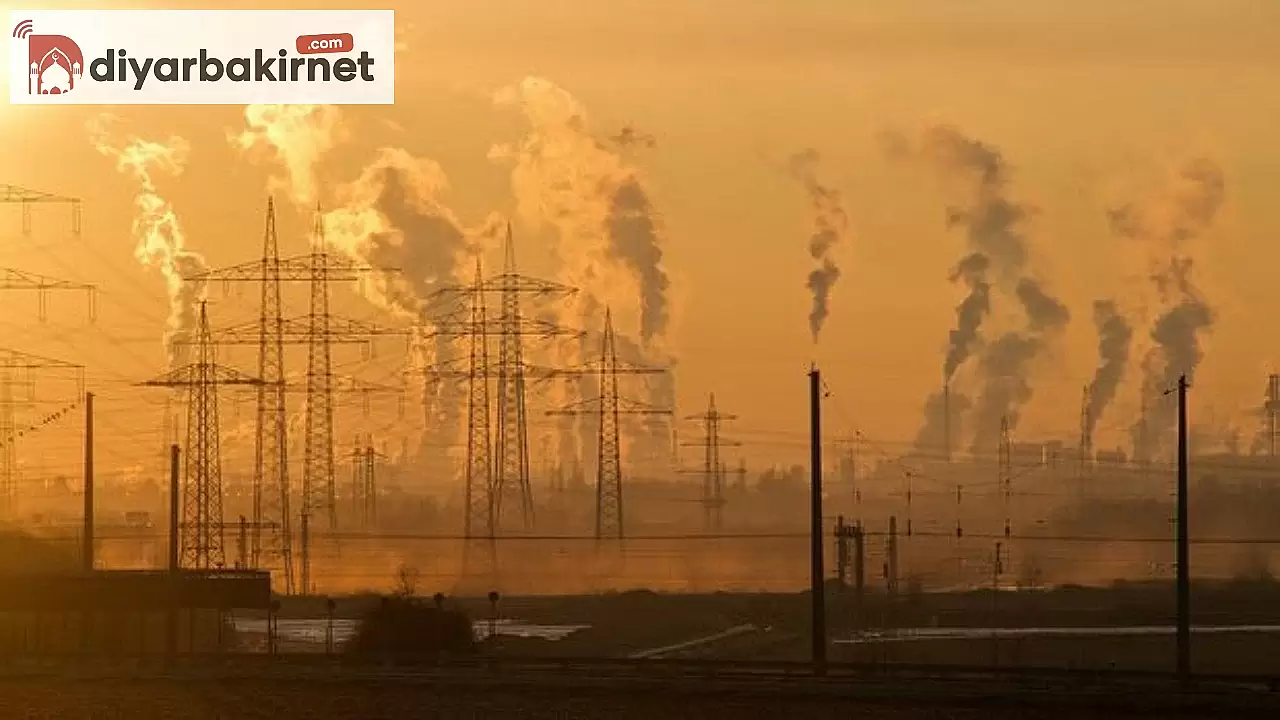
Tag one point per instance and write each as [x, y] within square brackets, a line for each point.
[1165, 223]
[830, 224]
[563, 175]
[390, 216]
[299, 135]
[156, 230]
[608, 237]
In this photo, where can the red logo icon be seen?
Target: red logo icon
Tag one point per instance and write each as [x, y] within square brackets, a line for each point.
[56, 63]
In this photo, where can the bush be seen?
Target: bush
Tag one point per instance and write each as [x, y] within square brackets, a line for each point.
[405, 629]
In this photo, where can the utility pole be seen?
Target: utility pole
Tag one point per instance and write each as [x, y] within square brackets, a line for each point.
[817, 590]
[1184, 542]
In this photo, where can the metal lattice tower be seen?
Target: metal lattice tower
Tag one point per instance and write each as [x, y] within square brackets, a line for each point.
[8, 455]
[27, 198]
[511, 474]
[606, 408]
[271, 445]
[316, 265]
[713, 470]
[479, 521]
[42, 285]
[319, 491]
[364, 486]
[497, 463]
[1005, 470]
[201, 544]
[11, 362]
[1272, 409]
[1086, 436]
[609, 460]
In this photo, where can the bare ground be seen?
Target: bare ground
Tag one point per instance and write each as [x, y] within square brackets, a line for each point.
[334, 697]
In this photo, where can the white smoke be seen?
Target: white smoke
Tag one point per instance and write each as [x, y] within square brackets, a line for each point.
[160, 241]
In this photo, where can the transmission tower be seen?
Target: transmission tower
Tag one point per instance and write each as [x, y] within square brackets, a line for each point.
[202, 528]
[15, 280]
[479, 474]
[364, 485]
[713, 470]
[15, 372]
[497, 476]
[1272, 409]
[28, 198]
[271, 486]
[1005, 469]
[1086, 436]
[608, 406]
[511, 477]
[271, 441]
[42, 285]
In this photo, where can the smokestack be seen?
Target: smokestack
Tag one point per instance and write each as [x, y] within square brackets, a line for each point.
[946, 420]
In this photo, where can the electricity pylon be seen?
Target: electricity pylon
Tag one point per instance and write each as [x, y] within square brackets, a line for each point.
[42, 285]
[13, 366]
[607, 407]
[17, 280]
[202, 527]
[713, 470]
[364, 486]
[271, 486]
[11, 194]
[497, 475]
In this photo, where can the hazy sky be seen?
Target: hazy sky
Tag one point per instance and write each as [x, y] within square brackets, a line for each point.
[1087, 101]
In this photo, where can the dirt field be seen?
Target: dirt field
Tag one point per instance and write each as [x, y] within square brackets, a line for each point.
[281, 699]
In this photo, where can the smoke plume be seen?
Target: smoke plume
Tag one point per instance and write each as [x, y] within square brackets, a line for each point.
[998, 255]
[969, 313]
[830, 224]
[299, 136]
[390, 216]
[993, 224]
[599, 204]
[158, 235]
[1114, 337]
[608, 238]
[1005, 367]
[1165, 223]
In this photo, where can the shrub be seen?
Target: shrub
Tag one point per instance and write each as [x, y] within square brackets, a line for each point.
[406, 629]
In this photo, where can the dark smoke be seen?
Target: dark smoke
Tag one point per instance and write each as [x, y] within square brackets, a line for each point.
[830, 223]
[932, 437]
[1164, 224]
[1005, 367]
[634, 234]
[1044, 313]
[1114, 337]
[969, 313]
[992, 223]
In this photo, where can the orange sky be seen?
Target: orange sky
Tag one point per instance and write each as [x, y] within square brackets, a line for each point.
[1081, 101]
